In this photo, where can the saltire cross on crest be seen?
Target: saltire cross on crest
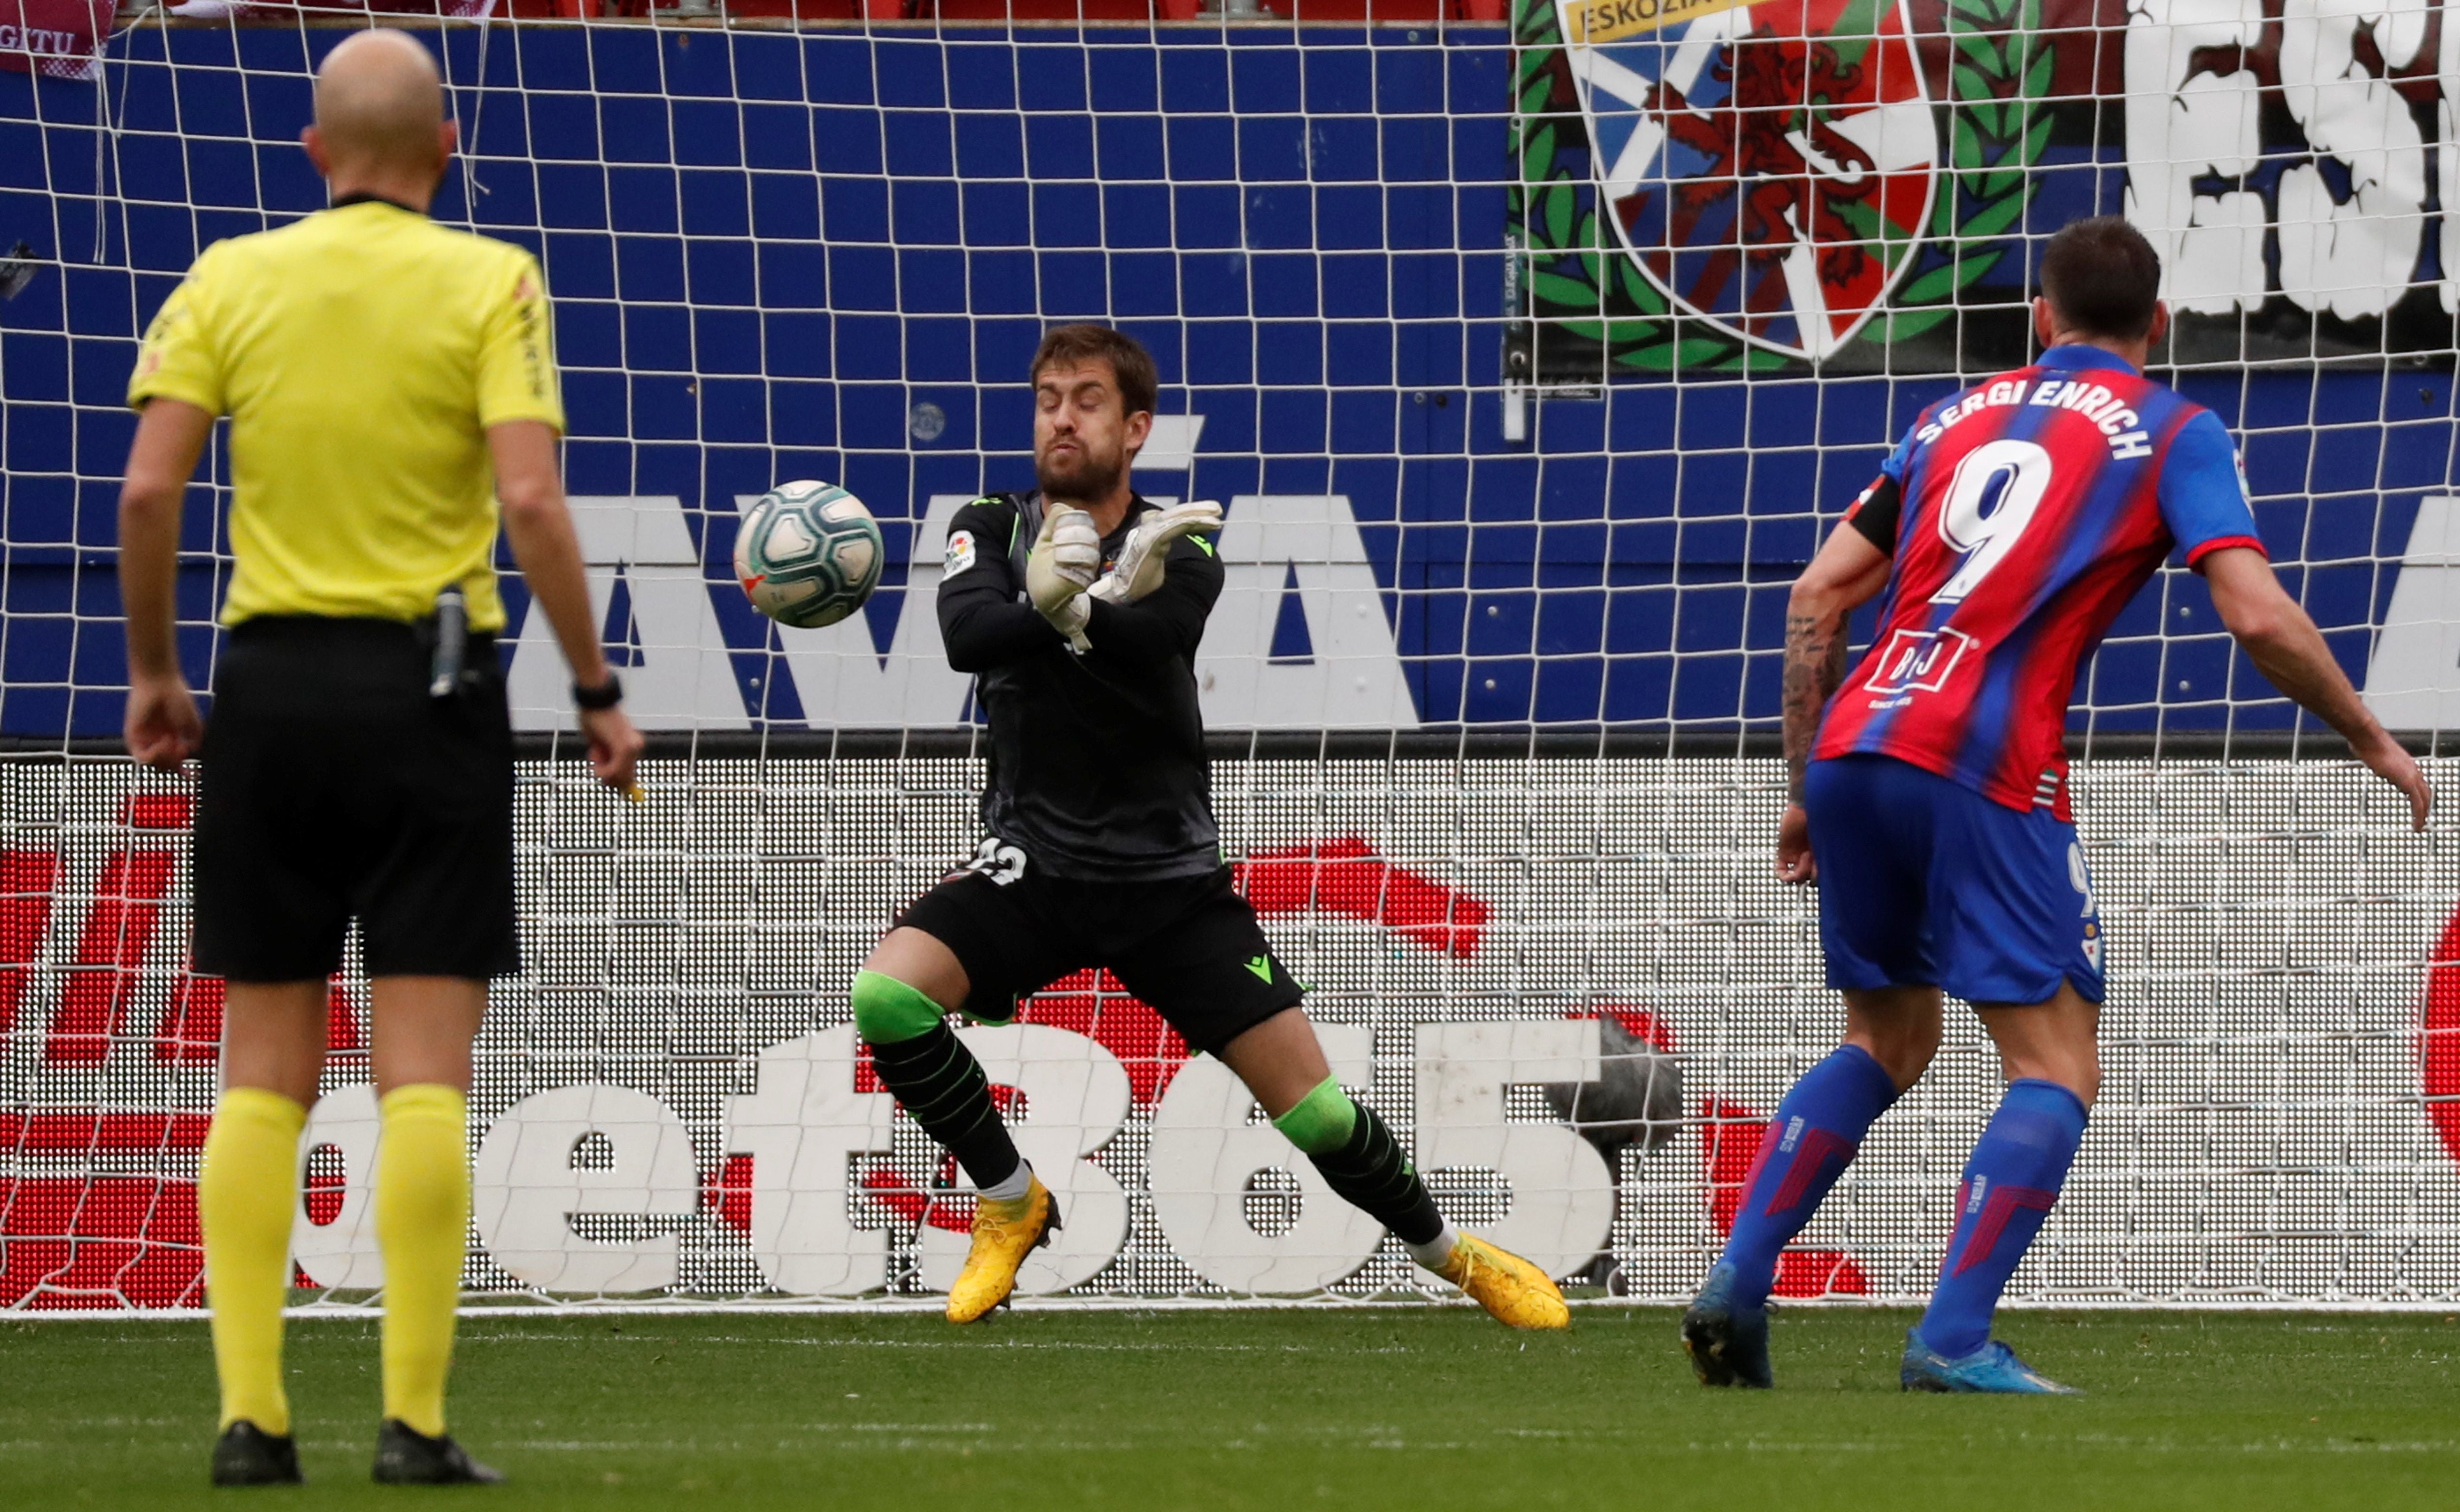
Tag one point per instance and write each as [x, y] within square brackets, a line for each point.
[1768, 164]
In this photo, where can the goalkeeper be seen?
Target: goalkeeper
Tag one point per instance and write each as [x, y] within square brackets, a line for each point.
[388, 381]
[1079, 608]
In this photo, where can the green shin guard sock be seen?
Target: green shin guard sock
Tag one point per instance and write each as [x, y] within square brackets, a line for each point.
[1322, 1120]
[1360, 1159]
[935, 1078]
[887, 1011]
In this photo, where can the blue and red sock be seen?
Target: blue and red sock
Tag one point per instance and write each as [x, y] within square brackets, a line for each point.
[1810, 1141]
[2009, 1184]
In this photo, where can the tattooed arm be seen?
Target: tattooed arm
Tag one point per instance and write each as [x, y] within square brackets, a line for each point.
[1849, 570]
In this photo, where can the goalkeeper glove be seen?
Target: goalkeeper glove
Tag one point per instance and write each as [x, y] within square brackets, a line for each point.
[1144, 560]
[1066, 557]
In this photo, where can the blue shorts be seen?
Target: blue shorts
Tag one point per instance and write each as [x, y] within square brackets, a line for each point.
[1925, 881]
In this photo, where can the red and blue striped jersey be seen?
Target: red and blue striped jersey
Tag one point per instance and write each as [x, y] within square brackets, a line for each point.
[2024, 513]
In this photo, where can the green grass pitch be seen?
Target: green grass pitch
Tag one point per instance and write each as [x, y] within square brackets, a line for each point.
[1421, 1408]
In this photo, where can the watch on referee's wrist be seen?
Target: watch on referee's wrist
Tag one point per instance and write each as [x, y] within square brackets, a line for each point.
[605, 695]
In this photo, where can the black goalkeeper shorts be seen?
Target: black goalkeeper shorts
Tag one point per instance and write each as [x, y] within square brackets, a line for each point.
[334, 788]
[1189, 946]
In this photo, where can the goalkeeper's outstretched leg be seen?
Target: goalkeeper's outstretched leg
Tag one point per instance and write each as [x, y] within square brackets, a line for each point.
[1282, 1063]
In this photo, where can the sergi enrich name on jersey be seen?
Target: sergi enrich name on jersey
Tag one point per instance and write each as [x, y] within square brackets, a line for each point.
[2104, 409]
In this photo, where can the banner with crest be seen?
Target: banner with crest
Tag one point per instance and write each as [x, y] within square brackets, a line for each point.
[1727, 185]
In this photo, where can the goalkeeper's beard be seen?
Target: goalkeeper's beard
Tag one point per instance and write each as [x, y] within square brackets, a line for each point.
[1080, 484]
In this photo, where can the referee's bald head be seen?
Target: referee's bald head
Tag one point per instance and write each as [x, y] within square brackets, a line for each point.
[380, 107]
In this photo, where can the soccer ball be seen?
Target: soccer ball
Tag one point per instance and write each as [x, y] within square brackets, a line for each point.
[807, 554]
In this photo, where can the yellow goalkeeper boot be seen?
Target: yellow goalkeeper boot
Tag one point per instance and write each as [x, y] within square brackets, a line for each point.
[1517, 1292]
[1005, 1233]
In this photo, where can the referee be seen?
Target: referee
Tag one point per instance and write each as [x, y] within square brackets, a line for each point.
[388, 381]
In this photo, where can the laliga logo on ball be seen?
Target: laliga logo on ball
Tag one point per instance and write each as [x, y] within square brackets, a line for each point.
[808, 555]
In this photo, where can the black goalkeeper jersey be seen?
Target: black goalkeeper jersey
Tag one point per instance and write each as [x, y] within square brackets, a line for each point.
[1097, 765]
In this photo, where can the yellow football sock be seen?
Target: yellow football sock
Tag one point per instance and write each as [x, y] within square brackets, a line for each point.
[422, 1215]
[246, 1194]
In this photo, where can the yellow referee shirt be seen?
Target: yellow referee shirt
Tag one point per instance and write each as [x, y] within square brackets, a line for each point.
[361, 354]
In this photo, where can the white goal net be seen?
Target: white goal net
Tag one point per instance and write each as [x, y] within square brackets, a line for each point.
[1517, 462]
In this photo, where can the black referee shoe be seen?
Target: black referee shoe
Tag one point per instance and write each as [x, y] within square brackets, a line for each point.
[405, 1457]
[248, 1456]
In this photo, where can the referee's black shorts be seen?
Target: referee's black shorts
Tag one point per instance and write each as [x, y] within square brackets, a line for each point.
[334, 788]
[1189, 946]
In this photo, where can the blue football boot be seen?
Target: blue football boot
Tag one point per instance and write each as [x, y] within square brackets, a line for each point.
[1728, 1343]
[1992, 1368]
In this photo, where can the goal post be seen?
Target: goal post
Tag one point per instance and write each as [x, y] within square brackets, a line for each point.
[1516, 468]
